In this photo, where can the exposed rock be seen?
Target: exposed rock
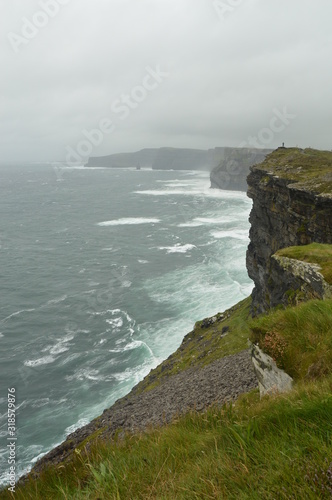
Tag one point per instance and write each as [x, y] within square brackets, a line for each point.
[209, 321]
[292, 281]
[271, 380]
[287, 211]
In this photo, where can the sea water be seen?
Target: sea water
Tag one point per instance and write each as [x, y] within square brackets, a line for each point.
[102, 273]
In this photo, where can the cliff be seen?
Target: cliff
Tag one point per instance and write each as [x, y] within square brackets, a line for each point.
[157, 158]
[181, 159]
[229, 166]
[233, 168]
[144, 157]
[292, 205]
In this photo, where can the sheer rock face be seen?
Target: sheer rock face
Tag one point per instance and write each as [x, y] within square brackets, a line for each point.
[284, 213]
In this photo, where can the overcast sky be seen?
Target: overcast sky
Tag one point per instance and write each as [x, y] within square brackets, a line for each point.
[152, 73]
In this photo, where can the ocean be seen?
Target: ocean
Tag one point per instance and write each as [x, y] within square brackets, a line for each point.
[103, 272]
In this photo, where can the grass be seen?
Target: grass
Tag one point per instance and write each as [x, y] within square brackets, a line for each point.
[315, 253]
[308, 168]
[298, 338]
[275, 448]
[205, 344]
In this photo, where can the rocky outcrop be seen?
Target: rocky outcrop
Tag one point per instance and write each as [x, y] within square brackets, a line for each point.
[271, 380]
[292, 205]
[233, 168]
[292, 281]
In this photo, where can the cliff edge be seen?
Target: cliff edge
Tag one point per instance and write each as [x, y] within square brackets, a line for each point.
[292, 205]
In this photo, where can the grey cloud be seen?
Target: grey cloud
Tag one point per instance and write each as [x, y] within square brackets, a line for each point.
[225, 75]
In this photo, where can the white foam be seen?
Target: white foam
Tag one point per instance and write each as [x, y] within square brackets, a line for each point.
[116, 322]
[238, 234]
[69, 358]
[40, 402]
[73, 428]
[198, 188]
[178, 248]
[40, 361]
[1, 335]
[141, 261]
[16, 314]
[136, 344]
[129, 221]
[57, 300]
[58, 349]
[81, 167]
[215, 220]
[84, 374]
[190, 224]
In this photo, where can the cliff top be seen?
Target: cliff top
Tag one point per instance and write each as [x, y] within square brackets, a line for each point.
[314, 253]
[307, 169]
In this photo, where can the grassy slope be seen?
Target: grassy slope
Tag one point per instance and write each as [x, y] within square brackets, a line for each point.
[298, 338]
[308, 168]
[275, 448]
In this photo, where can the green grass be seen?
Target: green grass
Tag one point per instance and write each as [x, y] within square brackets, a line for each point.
[275, 448]
[315, 253]
[309, 168]
[205, 344]
[298, 338]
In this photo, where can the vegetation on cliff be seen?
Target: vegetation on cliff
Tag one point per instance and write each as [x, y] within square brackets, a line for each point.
[298, 338]
[315, 254]
[275, 448]
[280, 445]
[309, 169]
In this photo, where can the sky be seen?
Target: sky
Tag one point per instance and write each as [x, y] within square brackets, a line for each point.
[87, 78]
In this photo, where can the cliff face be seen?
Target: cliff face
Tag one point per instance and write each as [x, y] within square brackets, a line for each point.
[144, 157]
[233, 167]
[292, 205]
[229, 166]
[159, 159]
[181, 159]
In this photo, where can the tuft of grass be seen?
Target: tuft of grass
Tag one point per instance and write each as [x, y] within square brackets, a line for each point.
[298, 338]
[279, 447]
[308, 168]
[315, 253]
[227, 335]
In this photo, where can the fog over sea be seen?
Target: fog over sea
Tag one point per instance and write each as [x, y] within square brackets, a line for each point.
[102, 273]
